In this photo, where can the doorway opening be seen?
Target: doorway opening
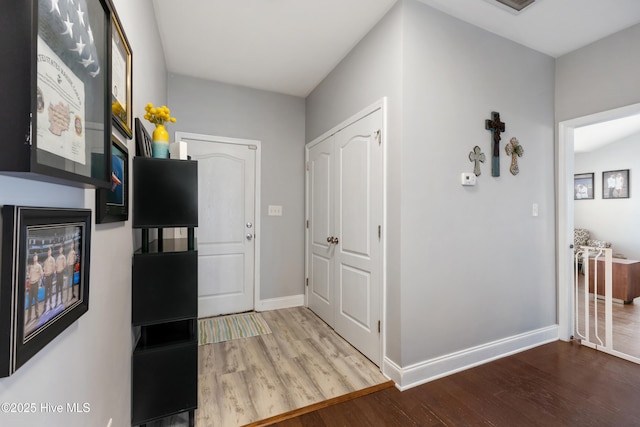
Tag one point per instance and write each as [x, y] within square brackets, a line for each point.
[595, 211]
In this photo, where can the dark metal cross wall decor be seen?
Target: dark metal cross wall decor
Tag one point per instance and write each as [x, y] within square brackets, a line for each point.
[496, 126]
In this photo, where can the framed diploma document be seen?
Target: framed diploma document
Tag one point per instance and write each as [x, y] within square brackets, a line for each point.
[57, 112]
[121, 78]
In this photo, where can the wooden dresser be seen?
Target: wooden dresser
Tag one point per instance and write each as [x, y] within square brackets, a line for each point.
[625, 280]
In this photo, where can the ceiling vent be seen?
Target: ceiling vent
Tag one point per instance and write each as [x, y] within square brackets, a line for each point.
[513, 6]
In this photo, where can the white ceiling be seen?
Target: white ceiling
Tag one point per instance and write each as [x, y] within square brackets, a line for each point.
[285, 46]
[592, 137]
[289, 46]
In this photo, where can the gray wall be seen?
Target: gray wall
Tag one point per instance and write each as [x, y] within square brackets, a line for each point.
[91, 360]
[474, 256]
[612, 220]
[213, 108]
[599, 77]
[372, 70]
[455, 253]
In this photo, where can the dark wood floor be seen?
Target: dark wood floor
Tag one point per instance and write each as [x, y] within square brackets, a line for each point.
[558, 384]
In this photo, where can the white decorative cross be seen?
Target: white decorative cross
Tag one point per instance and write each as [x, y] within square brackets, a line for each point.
[477, 157]
[515, 150]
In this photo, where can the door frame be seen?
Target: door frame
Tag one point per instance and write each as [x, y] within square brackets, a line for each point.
[381, 104]
[179, 136]
[564, 240]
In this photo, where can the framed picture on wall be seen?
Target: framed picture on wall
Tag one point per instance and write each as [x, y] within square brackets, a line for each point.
[583, 186]
[121, 62]
[44, 284]
[143, 140]
[615, 184]
[112, 204]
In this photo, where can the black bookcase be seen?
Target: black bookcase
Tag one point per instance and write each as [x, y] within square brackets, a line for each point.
[164, 291]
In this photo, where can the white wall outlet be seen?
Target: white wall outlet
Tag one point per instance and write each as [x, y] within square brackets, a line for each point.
[468, 178]
[275, 210]
[534, 209]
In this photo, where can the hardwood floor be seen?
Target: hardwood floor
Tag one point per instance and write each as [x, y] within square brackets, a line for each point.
[626, 322]
[558, 384]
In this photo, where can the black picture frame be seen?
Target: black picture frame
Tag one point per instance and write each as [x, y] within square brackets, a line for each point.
[583, 188]
[71, 106]
[121, 76]
[615, 184]
[112, 204]
[32, 315]
[143, 140]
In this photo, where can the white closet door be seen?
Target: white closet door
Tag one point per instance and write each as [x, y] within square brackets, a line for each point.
[320, 250]
[345, 212]
[358, 253]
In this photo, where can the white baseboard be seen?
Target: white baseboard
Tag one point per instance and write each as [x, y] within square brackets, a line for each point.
[439, 367]
[278, 303]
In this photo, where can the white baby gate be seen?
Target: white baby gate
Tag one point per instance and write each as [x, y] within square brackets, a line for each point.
[589, 328]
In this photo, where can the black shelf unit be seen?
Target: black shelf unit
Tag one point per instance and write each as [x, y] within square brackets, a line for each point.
[164, 291]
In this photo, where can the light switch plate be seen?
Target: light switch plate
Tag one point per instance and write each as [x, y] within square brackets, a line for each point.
[275, 210]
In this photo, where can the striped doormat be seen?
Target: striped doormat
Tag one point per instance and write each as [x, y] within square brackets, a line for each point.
[219, 329]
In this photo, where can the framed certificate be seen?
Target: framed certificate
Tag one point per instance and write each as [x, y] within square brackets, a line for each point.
[121, 78]
[57, 109]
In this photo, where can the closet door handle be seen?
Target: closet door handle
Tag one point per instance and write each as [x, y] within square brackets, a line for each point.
[335, 241]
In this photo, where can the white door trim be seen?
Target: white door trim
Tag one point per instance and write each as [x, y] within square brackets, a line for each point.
[382, 105]
[179, 136]
[565, 210]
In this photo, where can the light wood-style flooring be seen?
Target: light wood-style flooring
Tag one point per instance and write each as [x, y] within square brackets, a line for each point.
[301, 363]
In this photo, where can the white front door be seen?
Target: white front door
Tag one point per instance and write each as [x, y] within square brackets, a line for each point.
[226, 233]
[344, 241]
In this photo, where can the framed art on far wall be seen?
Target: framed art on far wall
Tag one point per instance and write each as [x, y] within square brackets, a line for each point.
[615, 184]
[583, 186]
[44, 285]
[112, 204]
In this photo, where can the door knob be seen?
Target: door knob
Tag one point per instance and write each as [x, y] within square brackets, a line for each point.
[335, 241]
[332, 240]
[249, 236]
[249, 225]
[329, 239]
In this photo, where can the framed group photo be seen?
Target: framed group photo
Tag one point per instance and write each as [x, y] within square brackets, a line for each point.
[583, 186]
[615, 184]
[44, 284]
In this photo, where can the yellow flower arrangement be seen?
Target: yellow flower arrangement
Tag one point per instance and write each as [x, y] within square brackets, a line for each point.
[159, 115]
